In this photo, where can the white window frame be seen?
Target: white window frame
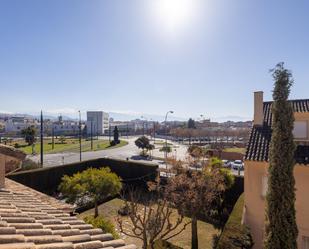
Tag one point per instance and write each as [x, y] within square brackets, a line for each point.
[300, 129]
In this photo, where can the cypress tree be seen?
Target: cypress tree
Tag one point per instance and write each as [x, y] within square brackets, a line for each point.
[281, 228]
[116, 135]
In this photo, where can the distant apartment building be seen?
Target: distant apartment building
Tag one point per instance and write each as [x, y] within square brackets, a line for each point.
[125, 127]
[97, 122]
[15, 125]
[62, 127]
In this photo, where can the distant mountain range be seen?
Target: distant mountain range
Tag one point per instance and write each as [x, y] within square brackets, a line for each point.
[125, 117]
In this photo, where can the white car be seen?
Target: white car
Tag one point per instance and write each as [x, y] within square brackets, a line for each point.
[226, 164]
[238, 164]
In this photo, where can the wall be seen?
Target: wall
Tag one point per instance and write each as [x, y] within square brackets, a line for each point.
[232, 156]
[255, 202]
[47, 179]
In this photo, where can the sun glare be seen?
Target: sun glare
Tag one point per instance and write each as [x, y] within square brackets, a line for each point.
[173, 16]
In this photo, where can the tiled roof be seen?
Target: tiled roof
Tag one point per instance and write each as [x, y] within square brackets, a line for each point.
[28, 221]
[259, 141]
[12, 152]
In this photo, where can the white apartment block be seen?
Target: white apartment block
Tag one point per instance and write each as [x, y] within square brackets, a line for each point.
[17, 124]
[99, 121]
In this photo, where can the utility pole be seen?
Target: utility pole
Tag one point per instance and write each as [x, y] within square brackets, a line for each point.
[53, 135]
[154, 132]
[127, 131]
[165, 122]
[42, 137]
[80, 137]
[91, 130]
[109, 133]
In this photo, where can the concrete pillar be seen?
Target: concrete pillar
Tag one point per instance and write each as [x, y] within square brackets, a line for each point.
[2, 170]
[258, 108]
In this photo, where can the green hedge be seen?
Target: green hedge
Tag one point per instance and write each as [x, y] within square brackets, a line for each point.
[47, 179]
[235, 235]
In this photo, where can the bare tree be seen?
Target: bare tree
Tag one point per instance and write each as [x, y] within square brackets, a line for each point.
[151, 220]
[195, 193]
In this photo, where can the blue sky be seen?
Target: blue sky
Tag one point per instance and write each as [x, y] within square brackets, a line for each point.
[129, 56]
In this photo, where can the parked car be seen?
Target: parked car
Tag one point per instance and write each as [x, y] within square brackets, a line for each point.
[238, 164]
[227, 163]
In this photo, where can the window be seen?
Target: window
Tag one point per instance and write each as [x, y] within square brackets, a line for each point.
[300, 129]
[305, 242]
[265, 186]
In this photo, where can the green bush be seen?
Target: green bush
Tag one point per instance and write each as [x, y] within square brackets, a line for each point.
[235, 235]
[28, 164]
[167, 149]
[113, 143]
[101, 222]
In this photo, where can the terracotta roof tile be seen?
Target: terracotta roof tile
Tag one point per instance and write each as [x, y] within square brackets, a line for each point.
[260, 136]
[28, 220]
[12, 152]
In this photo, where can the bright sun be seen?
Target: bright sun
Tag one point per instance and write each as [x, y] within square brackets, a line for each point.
[174, 15]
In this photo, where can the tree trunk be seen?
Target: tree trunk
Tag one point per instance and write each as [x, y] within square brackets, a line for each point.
[194, 238]
[96, 211]
[152, 245]
[145, 241]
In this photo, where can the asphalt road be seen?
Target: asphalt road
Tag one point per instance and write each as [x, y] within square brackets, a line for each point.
[129, 151]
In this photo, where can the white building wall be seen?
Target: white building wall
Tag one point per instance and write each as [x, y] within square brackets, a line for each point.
[99, 120]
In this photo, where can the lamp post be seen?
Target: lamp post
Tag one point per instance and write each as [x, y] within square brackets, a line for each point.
[154, 132]
[42, 137]
[145, 119]
[127, 130]
[53, 136]
[91, 135]
[80, 137]
[166, 136]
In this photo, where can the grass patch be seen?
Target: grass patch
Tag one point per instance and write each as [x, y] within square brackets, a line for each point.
[236, 149]
[69, 145]
[109, 210]
[162, 143]
[235, 235]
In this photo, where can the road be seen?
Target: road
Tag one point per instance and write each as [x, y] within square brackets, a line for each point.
[128, 151]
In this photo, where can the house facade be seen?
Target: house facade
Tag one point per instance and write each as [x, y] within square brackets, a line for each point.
[257, 163]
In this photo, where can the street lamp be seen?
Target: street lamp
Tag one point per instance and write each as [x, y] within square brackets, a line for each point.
[145, 119]
[42, 137]
[166, 136]
[80, 137]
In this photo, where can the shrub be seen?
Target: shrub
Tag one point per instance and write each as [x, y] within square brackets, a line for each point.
[92, 184]
[167, 149]
[104, 224]
[29, 165]
[112, 143]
